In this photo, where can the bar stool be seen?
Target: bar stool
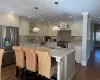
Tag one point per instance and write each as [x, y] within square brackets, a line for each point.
[20, 61]
[46, 66]
[31, 61]
[1, 56]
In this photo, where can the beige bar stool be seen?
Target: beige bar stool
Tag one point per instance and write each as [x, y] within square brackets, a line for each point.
[20, 61]
[46, 66]
[1, 56]
[31, 61]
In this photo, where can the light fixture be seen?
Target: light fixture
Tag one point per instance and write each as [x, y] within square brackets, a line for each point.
[49, 22]
[74, 19]
[28, 16]
[61, 21]
[36, 29]
[12, 13]
[42, 20]
[56, 27]
[70, 16]
[99, 17]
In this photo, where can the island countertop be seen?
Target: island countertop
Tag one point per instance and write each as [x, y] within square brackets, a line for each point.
[61, 52]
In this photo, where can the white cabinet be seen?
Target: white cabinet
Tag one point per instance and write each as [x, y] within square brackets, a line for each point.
[76, 29]
[78, 53]
[23, 26]
[9, 20]
[50, 31]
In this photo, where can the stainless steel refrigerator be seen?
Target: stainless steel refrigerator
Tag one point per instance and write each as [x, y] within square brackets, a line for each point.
[9, 36]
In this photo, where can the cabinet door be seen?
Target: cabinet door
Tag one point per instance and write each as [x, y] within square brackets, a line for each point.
[76, 29]
[78, 54]
[51, 32]
[24, 26]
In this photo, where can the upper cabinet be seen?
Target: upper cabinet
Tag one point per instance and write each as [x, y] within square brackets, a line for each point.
[23, 26]
[9, 20]
[76, 29]
[50, 31]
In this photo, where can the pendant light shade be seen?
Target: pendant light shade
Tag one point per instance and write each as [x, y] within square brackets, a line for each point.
[36, 29]
[56, 28]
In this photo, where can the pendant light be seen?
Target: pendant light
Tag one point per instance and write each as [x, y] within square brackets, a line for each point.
[56, 27]
[36, 29]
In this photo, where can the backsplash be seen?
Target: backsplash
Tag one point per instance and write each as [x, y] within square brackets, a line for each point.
[26, 39]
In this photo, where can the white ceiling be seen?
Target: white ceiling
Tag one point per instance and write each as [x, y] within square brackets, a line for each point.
[66, 8]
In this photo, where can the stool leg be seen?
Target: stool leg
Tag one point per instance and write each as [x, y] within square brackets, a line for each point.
[26, 75]
[16, 71]
[22, 76]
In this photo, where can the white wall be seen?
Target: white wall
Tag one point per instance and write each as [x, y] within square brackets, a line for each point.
[23, 26]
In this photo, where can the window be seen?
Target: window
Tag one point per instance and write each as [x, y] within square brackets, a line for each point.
[97, 36]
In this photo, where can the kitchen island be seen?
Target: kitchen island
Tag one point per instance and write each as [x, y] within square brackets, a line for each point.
[65, 58]
[65, 63]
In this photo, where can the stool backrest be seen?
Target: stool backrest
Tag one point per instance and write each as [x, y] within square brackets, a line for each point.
[31, 59]
[20, 57]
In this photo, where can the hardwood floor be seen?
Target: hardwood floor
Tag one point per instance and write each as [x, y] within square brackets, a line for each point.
[91, 72]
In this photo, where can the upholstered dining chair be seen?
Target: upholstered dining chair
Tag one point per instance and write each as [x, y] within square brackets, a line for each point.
[1, 56]
[20, 61]
[46, 66]
[31, 61]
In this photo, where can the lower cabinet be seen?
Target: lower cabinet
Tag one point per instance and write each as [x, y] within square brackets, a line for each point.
[78, 53]
[8, 58]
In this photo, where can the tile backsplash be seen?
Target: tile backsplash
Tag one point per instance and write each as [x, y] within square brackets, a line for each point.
[26, 39]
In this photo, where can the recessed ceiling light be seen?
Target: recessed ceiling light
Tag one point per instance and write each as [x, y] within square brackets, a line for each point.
[42, 20]
[60, 21]
[12, 13]
[49, 22]
[74, 19]
[70, 16]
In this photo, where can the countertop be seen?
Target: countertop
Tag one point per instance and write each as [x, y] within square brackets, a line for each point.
[61, 52]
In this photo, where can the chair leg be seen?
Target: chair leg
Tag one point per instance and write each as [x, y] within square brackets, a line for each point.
[26, 74]
[22, 76]
[54, 78]
[17, 71]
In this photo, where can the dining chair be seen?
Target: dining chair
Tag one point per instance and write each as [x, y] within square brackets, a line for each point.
[20, 61]
[46, 66]
[31, 61]
[1, 56]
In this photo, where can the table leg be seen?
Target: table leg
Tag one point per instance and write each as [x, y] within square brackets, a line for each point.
[58, 69]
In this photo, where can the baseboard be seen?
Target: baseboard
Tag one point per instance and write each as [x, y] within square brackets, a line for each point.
[84, 63]
[88, 58]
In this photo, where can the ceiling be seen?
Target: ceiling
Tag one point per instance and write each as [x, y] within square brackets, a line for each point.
[66, 8]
